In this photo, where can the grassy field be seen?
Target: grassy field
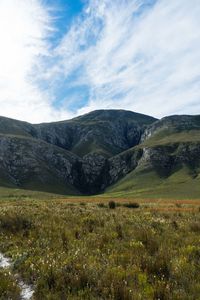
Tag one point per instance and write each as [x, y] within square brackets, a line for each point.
[80, 248]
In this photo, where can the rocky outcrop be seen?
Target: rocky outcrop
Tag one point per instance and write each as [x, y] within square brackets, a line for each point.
[173, 124]
[25, 161]
[166, 159]
[124, 163]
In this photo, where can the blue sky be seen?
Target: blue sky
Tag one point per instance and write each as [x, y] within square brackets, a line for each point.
[64, 11]
[59, 59]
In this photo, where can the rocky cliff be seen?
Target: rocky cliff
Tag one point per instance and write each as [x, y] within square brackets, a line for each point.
[87, 154]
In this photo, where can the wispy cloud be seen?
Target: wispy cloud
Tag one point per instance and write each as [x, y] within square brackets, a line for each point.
[142, 55]
[25, 26]
[139, 55]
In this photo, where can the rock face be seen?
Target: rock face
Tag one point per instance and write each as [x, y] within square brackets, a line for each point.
[87, 154]
[172, 124]
[107, 131]
[27, 162]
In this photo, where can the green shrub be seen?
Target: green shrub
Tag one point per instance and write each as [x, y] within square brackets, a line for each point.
[112, 204]
[8, 286]
[131, 205]
[14, 223]
[195, 227]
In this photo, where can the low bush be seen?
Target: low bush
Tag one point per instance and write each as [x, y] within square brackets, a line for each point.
[131, 205]
[8, 286]
[112, 204]
[15, 223]
[195, 227]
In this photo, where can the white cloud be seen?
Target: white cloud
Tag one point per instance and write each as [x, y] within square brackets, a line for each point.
[128, 54]
[24, 28]
[142, 58]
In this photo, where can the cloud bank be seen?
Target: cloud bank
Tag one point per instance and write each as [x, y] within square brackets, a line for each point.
[141, 55]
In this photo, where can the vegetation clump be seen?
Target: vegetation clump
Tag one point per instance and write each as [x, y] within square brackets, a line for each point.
[14, 223]
[131, 205]
[112, 204]
[8, 286]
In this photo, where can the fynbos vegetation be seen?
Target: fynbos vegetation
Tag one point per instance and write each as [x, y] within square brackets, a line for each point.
[88, 252]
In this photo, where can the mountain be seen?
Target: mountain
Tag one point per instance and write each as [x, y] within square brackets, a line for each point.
[107, 132]
[112, 151]
[170, 162]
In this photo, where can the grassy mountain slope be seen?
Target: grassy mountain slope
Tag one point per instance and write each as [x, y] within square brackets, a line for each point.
[180, 185]
[121, 152]
[15, 127]
[173, 129]
[170, 165]
[48, 157]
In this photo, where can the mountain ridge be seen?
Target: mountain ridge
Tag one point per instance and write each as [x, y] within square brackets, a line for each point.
[95, 152]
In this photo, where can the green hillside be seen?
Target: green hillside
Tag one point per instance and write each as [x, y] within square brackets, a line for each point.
[116, 152]
[176, 140]
[180, 185]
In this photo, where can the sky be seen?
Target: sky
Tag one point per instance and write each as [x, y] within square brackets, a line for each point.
[60, 59]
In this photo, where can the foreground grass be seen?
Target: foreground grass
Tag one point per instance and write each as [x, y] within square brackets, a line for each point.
[84, 250]
[8, 286]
